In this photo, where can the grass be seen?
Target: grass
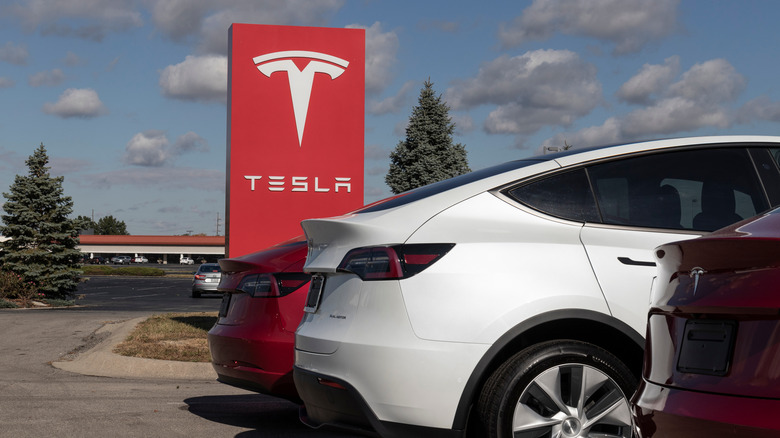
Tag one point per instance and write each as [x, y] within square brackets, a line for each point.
[138, 271]
[171, 336]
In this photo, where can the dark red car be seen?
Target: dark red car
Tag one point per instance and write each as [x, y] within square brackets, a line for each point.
[712, 358]
[252, 343]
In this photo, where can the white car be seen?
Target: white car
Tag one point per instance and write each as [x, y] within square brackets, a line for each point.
[513, 298]
[140, 259]
[186, 261]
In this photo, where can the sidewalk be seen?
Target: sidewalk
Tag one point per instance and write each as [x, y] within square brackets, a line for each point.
[101, 361]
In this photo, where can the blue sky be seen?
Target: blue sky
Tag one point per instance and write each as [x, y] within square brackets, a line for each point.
[129, 96]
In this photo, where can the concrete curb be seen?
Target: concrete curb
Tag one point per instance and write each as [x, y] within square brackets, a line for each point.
[101, 361]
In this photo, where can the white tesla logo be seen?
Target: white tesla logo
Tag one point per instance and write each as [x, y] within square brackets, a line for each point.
[300, 80]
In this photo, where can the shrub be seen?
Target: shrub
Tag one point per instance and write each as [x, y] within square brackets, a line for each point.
[139, 271]
[13, 286]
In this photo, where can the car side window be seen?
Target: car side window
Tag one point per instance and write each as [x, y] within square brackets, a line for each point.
[566, 195]
[702, 189]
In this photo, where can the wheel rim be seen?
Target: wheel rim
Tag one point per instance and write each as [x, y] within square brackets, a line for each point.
[572, 400]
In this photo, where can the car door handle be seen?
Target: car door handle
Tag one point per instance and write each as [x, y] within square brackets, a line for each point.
[630, 262]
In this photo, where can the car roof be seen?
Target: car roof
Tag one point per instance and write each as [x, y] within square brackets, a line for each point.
[565, 158]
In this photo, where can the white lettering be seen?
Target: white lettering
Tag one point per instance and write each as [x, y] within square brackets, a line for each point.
[344, 183]
[301, 184]
[252, 178]
[317, 187]
[276, 183]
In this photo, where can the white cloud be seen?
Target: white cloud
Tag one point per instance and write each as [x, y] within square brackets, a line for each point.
[95, 18]
[6, 82]
[208, 21]
[198, 78]
[628, 24]
[189, 142]
[14, 54]
[381, 57]
[701, 98]
[46, 78]
[651, 80]
[153, 149]
[531, 91]
[392, 104]
[760, 108]
[76, 102]
[148, 148]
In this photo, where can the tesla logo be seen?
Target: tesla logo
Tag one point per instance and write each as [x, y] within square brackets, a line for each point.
[300, 80]
[695, 274]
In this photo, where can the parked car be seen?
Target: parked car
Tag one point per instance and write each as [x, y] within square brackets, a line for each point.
[252, 342]
[512, 298]
[97, 260]
[186, 261]
[121, 260]
[206, 279]
[140, 259]
[713, 336]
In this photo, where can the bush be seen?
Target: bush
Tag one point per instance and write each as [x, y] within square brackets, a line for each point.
[139, 271]
[13, 286]
[7, 304]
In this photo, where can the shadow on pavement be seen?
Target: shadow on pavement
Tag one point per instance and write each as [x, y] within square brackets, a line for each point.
[268, 416]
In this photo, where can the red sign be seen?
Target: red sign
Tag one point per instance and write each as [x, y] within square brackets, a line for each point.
[295, 130]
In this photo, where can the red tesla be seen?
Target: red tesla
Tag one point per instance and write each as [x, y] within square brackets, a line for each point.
[252, 343]
[712, 358]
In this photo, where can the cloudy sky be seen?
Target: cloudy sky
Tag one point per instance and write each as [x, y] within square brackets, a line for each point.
[129, 96]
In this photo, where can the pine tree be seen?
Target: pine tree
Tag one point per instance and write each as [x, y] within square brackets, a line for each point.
[42, 240]
[427, 155]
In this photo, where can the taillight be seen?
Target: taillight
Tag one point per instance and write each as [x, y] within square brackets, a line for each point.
[272, 285]
[200, 277]
[393, 262]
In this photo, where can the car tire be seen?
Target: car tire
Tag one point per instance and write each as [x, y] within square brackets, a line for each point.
[537, 391]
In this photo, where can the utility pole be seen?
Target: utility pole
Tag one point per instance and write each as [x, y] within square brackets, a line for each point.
[217, 223]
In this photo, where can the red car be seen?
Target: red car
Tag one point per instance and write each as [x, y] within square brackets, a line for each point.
[712, 358]
[252, 343]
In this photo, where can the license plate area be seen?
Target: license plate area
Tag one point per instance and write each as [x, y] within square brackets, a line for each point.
[707, 347]
[315, 292]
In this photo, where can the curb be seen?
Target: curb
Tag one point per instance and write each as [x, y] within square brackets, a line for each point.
[102, 361]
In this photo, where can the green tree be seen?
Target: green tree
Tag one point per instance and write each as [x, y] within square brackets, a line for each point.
[427, 155]
[110, 225]
[85, 223]
[42, 240]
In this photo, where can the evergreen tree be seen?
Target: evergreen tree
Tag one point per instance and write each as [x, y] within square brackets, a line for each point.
[427, 155]
[42, 240]
[110, 225]
[84, 223]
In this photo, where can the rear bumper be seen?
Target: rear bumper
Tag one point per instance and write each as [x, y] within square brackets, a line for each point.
[262, 365]
[670, 413]
[205, 287]
[335, 403]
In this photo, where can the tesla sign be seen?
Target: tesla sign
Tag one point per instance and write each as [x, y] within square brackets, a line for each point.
[295, 130]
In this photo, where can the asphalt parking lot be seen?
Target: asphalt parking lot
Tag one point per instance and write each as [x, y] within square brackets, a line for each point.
[54, 365]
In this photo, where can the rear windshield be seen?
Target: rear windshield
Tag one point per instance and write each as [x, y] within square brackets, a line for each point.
[209, 268]
[442, 186]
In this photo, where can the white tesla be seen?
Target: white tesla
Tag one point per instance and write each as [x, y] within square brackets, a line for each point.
[512, 299]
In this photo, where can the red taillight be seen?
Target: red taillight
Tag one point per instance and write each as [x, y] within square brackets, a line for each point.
[272, 285]
[200, 277]
[393, 262]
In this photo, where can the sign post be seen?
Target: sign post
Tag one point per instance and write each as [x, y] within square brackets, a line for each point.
[295, 130]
